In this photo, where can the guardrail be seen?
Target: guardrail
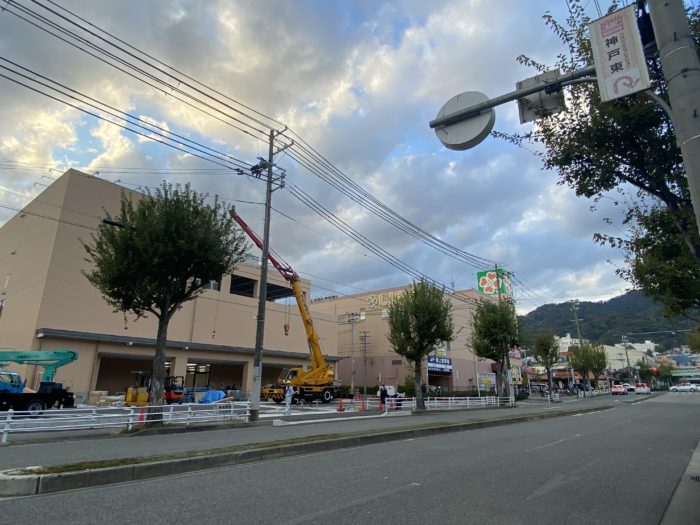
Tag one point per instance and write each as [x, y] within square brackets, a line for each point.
[18, 421]
[439, 403]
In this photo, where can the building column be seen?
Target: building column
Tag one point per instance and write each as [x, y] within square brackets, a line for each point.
[179, 363]
[248, 370]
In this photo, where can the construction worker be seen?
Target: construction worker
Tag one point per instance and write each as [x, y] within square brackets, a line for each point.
[288, 395]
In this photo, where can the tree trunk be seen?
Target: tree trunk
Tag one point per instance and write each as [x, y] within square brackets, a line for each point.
[418, 379]
[158, 374]
[549, 381]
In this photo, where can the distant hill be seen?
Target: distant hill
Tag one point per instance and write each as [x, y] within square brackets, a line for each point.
[606, 322]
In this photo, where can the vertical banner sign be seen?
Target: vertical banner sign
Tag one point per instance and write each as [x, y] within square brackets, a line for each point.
[618, 55]
[516, 376]
[488, 282]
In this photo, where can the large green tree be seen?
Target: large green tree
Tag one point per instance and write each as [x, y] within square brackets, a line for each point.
[599, 361]
[546, 352]
[419, 319]
[160, 252]
[625, 150]
[495, 331]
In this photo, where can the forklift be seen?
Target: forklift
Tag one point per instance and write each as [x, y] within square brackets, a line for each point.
[139, 395]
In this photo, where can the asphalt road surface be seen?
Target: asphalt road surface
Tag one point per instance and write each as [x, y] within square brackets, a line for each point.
[613, 466]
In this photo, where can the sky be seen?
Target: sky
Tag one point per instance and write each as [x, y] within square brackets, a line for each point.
[354, 85]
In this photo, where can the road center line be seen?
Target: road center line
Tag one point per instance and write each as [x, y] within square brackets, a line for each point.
[553, 443]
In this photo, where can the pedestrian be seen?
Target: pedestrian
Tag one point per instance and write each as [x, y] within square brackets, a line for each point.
[383, 394]
[288, 395]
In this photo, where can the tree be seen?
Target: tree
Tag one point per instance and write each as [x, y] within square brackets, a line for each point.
[419, 319]
[625, 150]
[495, 331]
[582, 360]
[599, 361]
[546, 351]
[162, 253]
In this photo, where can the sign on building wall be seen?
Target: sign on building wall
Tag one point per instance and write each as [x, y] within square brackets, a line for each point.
[487, 380]
[381, 300]
[618, 55]
[439, 364]
[489, 282]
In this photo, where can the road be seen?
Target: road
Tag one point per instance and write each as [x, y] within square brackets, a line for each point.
[613, 466]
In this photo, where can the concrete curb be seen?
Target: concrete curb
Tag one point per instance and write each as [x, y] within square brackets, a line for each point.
[684, 506]
[15, 483]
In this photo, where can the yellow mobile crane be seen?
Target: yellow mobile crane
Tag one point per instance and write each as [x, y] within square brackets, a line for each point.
[318, 382]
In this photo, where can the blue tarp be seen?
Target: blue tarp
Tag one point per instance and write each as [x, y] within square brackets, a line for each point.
[212, 395]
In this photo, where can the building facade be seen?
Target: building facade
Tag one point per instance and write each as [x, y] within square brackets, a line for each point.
[367, 359]
[46, 303]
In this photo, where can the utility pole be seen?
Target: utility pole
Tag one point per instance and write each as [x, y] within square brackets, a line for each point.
[574, 308]
[352, 319]
[681, 68]
[363, 339]
[262, 288]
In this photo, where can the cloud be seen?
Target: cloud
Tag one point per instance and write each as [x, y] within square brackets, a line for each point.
[358, 82]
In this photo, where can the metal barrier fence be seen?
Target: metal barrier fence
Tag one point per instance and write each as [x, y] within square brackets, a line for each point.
[437, 403]
[17, 421]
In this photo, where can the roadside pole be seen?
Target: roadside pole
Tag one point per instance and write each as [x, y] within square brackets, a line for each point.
[681, 68]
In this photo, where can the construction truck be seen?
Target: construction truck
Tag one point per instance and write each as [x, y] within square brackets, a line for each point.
[139, 394]
[49, 394]
[318, 382]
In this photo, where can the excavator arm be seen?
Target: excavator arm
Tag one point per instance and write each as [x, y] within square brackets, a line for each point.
[49, 360]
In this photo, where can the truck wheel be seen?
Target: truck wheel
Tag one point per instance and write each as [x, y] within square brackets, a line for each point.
[327, 396]
[34, 407]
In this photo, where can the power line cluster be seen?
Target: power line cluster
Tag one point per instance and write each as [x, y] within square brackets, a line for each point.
[59, 22]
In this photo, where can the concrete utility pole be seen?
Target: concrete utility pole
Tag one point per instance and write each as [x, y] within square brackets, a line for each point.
[262, 288]
[681, 67]
[352, 319]
[574, 308]
[363, 339]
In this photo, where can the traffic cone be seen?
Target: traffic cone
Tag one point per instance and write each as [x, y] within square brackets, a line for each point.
[141, 416]
[340, 404]
[381, 407]
[363, 407]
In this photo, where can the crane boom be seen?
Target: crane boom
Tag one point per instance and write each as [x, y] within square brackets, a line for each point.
[317, 358]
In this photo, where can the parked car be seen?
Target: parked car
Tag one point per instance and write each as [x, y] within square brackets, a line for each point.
[618, 390]
[642, 388]
[684, 387]
[629, 388]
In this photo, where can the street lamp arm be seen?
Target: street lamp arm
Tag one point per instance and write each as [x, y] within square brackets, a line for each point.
[508, 97]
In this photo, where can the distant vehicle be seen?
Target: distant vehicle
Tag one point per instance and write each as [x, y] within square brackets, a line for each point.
[642, 388]
[618, 390]
[684, 387]
[628, 387]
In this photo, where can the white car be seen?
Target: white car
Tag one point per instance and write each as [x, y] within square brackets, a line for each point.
[684, 387]
[642, 388]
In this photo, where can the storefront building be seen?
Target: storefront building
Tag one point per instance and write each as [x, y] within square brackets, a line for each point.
[47, 303]
[366, 356]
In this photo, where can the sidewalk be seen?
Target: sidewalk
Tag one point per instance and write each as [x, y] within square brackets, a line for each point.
[141, 456]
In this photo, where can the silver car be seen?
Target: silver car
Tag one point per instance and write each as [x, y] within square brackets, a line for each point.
[684, 387]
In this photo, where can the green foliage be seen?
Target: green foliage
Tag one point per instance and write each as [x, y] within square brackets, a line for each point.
[167, 247]
[607, 321]
[599, 361]
[582, 360]
[419, 319]
[626, 147]
[546, 349]
[494, 332]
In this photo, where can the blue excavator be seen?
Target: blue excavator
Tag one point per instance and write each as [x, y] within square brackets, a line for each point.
[50, 394]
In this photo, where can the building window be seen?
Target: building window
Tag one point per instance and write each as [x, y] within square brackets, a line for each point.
[242, 286]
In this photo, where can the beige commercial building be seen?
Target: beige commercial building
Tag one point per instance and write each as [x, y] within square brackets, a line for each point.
[47, 303]
[368, 359]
